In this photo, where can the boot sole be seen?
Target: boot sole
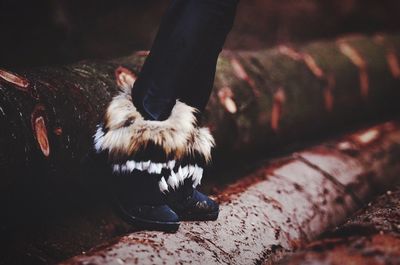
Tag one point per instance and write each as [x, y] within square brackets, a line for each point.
[145, 224]
[199, 217]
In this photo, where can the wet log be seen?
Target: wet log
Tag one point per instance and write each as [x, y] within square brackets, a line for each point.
[371, 236]
[275, 210]
[261, 99]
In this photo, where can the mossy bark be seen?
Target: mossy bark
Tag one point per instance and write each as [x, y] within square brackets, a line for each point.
[261, 99]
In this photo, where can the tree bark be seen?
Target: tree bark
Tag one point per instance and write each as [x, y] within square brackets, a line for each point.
[275, 210]
[261, 100]
[371, 236]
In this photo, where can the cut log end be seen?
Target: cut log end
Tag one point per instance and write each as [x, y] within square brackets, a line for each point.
[41, 136]
[21, 82]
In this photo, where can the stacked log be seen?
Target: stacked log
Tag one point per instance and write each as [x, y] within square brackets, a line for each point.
[277, 209]
[260, 100]
[371, 236]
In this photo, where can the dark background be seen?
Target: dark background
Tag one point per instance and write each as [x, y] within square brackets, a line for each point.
[47, 32]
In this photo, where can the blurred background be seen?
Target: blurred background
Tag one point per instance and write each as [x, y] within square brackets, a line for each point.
[47, 32]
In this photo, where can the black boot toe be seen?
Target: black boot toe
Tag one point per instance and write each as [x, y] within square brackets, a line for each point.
[150, 217]
[196, 207]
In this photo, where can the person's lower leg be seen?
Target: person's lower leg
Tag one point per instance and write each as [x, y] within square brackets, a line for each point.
[184, 53]
[181, 65]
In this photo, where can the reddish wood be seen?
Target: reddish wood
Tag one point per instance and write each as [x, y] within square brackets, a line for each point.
[372, 236]
[279, 209]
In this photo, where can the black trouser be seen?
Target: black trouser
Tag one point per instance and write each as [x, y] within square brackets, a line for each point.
[182, 61]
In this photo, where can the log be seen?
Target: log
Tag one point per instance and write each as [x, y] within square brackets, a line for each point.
[275, 210]
[261, 100]
[371, 236]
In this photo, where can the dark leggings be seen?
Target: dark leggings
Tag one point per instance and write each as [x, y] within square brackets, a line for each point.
[182, 61]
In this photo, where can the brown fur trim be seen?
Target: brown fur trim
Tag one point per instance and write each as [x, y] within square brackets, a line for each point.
[202, 143]
[126, 131]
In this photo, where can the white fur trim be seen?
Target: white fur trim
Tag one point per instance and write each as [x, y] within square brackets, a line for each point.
[146, 165]
[98, 139]
[185, 173]
[162, 184]
[191, 170]
[202, 143]
[176, 179]
[197, 176]
[116, 169]
[171, 164]
[131, 165]
[173, 181]
[153, 168]
[126, 132]
[139, 166]
[180, 176]
[124, 169]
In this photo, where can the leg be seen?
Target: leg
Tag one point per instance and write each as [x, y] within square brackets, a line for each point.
[196, 88]
[184, 53]
[157, 155]
[204, 41]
